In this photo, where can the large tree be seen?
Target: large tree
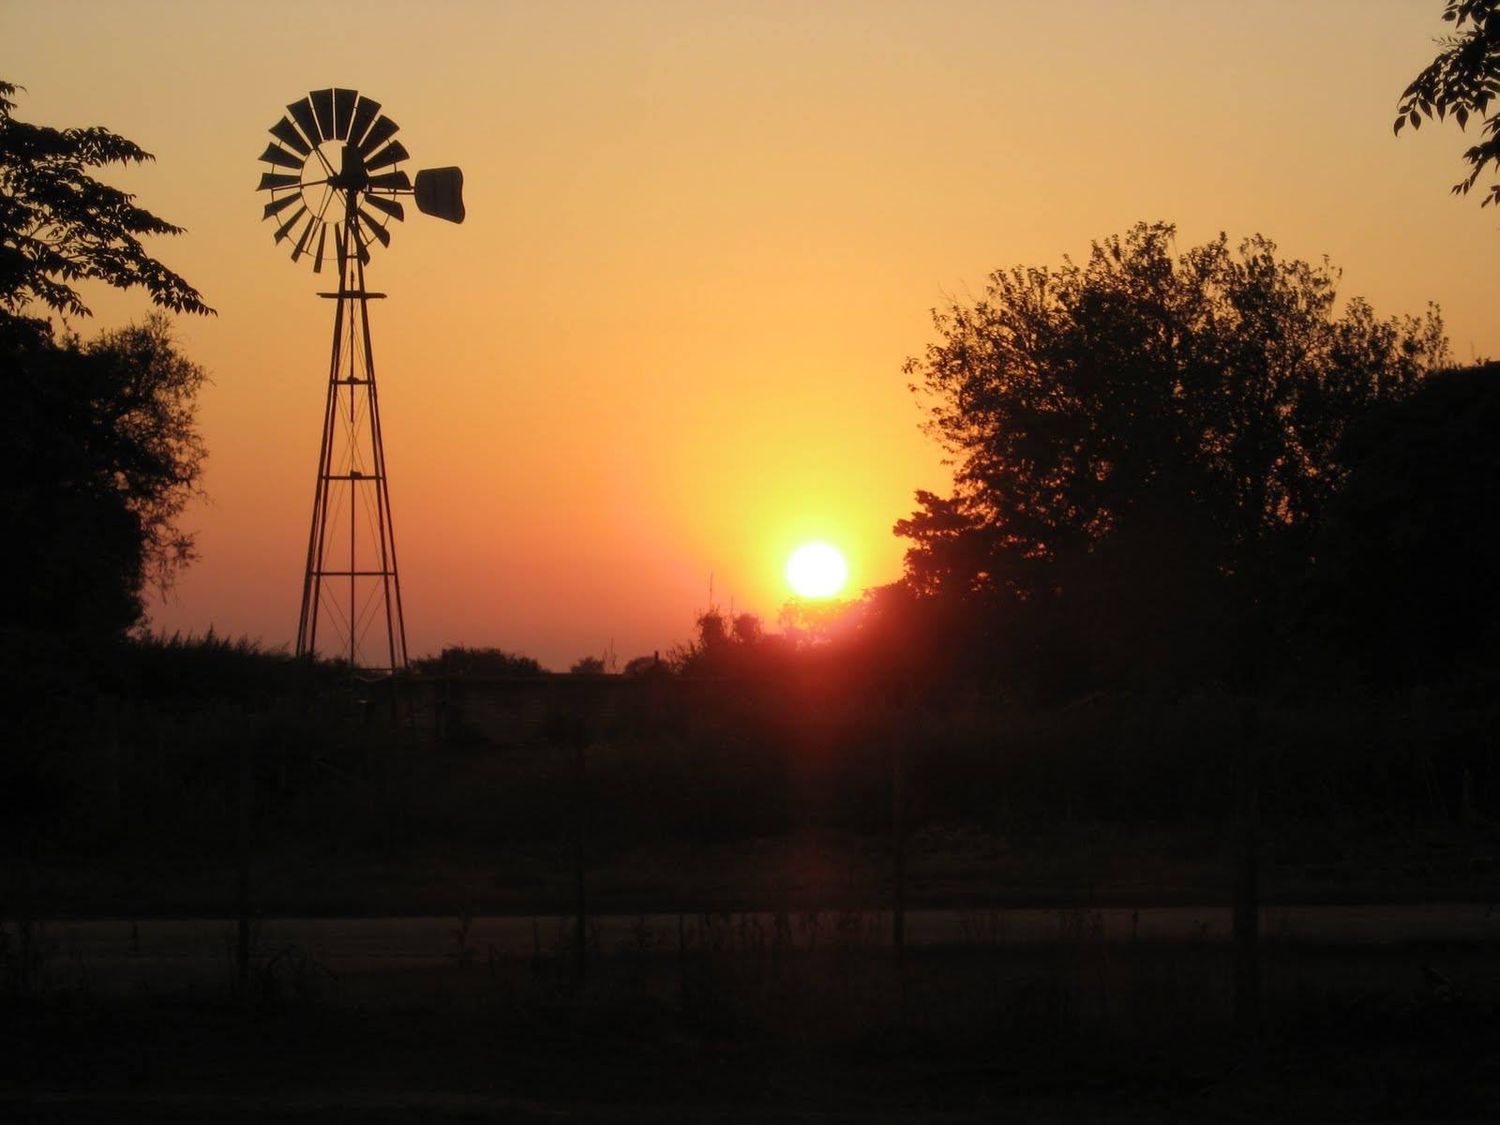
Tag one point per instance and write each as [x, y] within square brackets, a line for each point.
[1463, 81]
[100, 456]
[98, 449]
[1404, 588]
[1146, 437]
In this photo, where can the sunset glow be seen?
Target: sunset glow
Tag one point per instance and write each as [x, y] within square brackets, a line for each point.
[922, 526]
[816, 570]
[701, 242]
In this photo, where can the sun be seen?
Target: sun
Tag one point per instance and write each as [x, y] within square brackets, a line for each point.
[816, 570]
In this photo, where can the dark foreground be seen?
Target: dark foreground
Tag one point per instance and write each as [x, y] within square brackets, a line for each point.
[1075, 1029]
[739, 869]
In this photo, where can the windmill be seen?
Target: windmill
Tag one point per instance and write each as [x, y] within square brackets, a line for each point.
[336, 186]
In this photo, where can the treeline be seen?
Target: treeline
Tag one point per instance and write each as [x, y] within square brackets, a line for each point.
[1179, 472]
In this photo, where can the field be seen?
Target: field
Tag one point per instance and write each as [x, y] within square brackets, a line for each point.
[1064, 881]
[737, 1026]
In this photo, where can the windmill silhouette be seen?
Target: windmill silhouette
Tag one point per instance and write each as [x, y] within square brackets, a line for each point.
[336, 186]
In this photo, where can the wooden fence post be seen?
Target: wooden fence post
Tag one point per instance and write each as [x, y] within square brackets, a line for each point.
[242, 896]
[580, 856]
[1247, 983]
[898, 848]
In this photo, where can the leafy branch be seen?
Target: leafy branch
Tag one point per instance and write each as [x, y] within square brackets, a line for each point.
[60, 226]
[1462, 81]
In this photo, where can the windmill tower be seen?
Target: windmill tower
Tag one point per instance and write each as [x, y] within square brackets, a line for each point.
[336, 186]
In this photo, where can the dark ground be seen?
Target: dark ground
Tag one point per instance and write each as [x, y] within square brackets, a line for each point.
[1077, 1030]
[1078, 810]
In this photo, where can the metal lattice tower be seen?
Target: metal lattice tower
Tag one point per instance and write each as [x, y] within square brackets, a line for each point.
[336, 186]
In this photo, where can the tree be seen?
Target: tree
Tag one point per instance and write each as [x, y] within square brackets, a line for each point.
[1463, 80]
[1403, 587]
[100, 456]
[59, 225]
[587, 666]
[98, 451]
[725, 646]
[652, 665]
[1145, 440]
[456, 660]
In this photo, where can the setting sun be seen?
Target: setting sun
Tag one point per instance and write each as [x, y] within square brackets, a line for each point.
[816, 570]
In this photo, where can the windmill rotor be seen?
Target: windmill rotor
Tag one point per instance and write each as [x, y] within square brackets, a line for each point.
[335, 180]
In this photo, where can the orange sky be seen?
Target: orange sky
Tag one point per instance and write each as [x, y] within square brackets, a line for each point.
[702, 238]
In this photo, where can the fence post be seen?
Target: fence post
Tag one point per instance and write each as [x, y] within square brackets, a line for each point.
[580, 856]
[242, 896]
[1247, 984]
[898, 848]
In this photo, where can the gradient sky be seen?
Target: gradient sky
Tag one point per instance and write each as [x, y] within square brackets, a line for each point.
[702, 239]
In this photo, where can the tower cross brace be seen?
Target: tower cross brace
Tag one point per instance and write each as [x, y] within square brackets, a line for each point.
[352, 585]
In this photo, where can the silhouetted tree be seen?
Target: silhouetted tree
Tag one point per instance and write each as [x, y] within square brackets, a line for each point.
[1143, 440]
[1404, 589]
[820, 621]
[99, 456]
[587, 666]
[456, 660]
[652, 665]
[1463, 80]
[708, 652]
[98, 451]
[725, 646]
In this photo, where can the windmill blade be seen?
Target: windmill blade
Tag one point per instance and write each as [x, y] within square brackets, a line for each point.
[391, 181]
[290, 223]
[341, 247]
[375, 228]
[285, 132]
[387, 206]
[343, 109]
[275, 154]
[322, 241]
[322, 103]
[389, 155]
[270, 181]
[440, 192]
[276, 206]
[364, 113]
[312, 221]
[302, 114]
[380, 132]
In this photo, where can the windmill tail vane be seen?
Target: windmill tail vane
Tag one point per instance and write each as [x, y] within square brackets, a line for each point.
[335, 188]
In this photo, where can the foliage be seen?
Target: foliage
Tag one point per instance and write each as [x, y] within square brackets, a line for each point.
[727, 646]
[456, 660]
[1463, 80]
[819, 620]
[1147, 438]
[100, 456]
[1403, 589]
[97, 446]
[587, 666]
[60, 226]
[163, 667]
[645, 665]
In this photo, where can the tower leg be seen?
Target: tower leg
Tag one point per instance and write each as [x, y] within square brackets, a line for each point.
[351, 589]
